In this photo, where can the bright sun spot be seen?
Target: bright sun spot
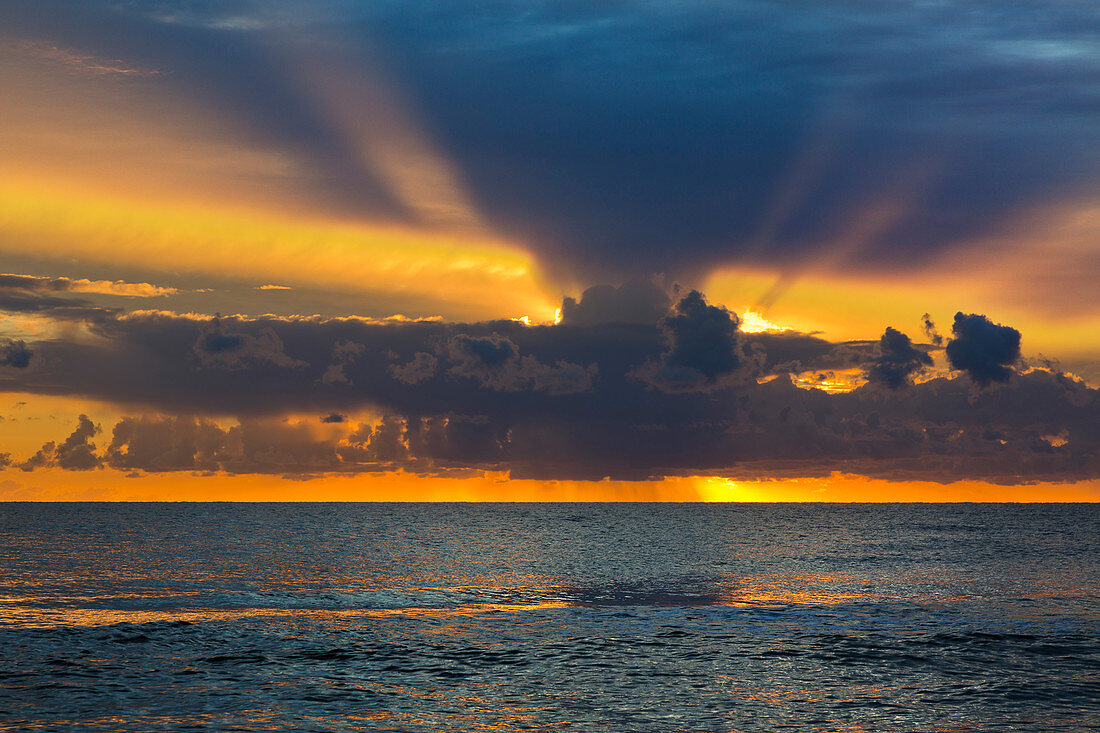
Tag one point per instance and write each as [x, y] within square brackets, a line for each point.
[753, 322]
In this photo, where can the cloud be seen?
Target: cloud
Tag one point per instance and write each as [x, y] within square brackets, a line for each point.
[636, 301]
[898, 361]
[423, 366]
[343, 354]
[986, 351]
[753, 151]
[81, 63]
[219, 348]
[705, 348]
[691, 394]
[32, 284]
[154, 443]
[75, 453]
[494, 361]
[934, 431]
[930, 330]
[15, 354]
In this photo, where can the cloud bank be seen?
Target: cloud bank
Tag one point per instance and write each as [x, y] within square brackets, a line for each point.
[610, 396]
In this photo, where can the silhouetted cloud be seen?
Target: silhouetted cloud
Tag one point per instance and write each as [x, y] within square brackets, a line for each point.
[75, 453]
[690, 394]
[930, 330]
[636, 301]
[704, 347]
[1041, 428]
[218, 348]
[343, 354]
[423, 366]
[986, 351]
[15, 353]
[154, 443]
[495, 362]
[898, 360]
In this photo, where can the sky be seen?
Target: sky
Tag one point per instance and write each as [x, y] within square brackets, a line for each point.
[564, 250]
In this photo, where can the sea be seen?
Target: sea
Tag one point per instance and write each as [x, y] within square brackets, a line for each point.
[549, 617]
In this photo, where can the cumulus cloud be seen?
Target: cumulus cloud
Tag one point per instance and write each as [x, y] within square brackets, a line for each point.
[984, 350]
[219, 348]
[1040, 428]
[705, 348]
[636, 301]
[15, 354]
[422, 366]
[898, 361]
[494, 361]
[75, 453]
[343, 354]
[689, 394]
[167, 444]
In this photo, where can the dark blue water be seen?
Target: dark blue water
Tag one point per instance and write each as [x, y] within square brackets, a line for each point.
[418, 617]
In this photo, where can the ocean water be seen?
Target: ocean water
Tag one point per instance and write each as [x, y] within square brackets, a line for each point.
[546, 617]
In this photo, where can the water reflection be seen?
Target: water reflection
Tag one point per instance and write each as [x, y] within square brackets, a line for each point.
[543, 618]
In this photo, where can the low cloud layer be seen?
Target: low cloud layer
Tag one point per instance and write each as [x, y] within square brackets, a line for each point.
[689, 393]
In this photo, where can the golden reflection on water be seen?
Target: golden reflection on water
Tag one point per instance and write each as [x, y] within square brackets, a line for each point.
[24, 617]
[770, 590]
[776, 589]
[752, 590]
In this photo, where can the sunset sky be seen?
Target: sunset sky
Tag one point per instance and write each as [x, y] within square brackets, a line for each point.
[701, 250]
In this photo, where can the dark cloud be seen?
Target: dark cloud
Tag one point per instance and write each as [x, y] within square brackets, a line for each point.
[636, 301]
[218, 348]
[334, 417]
[495, 362]
[75, 453]
[690, 394]
[930, 330]
[1039, 429]
[423, 366]
[57, 304]
[630, 138]
[705, 348]
[343, 354]
[15, 353]
[898, 361]
[169, 444]
[986, 351]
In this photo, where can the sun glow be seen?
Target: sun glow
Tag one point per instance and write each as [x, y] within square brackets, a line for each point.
[753, 322]
[430, 265]
[494, 486]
